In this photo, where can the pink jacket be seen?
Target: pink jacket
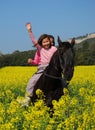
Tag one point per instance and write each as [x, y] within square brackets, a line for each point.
[45, 54]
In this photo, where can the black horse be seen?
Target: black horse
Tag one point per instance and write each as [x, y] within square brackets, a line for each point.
[58, 73]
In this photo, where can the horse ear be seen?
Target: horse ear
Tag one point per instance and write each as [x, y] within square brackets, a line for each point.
[59, 41]
[73, 42]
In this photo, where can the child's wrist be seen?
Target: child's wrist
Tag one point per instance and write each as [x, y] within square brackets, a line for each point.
[29, 30]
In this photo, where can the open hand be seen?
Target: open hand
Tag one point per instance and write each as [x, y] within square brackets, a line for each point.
[28, 26]
[29, 61]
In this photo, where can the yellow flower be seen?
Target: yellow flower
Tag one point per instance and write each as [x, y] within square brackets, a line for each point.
[82, 91]
[39, 93]
[74, 101]
[66, 92]
[49, 127]
[1, 120]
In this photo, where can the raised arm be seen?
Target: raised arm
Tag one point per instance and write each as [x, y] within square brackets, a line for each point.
[32, 37]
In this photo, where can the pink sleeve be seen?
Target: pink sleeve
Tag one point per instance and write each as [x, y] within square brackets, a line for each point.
[33, 39]
[36, 58]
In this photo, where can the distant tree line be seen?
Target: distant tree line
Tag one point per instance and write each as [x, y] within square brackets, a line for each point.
[17, 58]
[84, 55]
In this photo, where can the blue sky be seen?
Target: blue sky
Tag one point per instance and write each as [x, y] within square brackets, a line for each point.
[66, 18]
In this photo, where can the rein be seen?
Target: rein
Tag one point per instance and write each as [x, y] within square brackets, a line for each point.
[51, 76]
[54, 77]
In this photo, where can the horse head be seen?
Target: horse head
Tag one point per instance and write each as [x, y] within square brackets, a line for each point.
[66, 58]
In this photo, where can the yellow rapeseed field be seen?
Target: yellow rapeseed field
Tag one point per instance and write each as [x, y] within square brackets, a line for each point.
[74, 111]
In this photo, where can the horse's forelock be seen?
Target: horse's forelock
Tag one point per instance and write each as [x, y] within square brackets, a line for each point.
[67, 44]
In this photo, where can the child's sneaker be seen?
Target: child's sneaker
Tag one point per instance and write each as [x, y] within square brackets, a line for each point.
[26, 102]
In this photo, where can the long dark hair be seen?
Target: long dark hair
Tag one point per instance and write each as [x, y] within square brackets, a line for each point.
[51, 36]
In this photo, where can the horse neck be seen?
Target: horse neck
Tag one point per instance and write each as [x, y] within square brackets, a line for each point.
[54, 66]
